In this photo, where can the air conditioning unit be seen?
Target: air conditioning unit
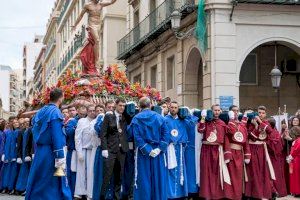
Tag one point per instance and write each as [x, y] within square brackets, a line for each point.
[291, 66]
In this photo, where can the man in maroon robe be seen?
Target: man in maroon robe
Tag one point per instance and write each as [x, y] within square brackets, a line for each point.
[213, 170]
[240, 153]
[260, 170]
[275, 147]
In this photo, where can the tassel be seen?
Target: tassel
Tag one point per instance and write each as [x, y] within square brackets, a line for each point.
[181, 166]
[135, 168]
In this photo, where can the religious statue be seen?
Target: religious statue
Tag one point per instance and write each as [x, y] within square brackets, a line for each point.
[90, 53]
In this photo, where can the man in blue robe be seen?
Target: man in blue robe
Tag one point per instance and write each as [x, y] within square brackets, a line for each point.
[71, 152]
[24, 157]
[177, 130]
[151, 141]
[10, 168]
[50, 140]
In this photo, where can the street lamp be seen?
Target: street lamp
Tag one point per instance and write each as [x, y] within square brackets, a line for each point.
[276, 77]
[175, 23]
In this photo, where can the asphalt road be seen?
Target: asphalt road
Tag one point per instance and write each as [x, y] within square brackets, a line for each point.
[9, 197]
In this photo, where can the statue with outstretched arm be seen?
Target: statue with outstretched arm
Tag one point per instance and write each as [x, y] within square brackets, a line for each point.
[93, 8]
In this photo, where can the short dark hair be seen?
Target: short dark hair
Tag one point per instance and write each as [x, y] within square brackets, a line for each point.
[262, 108]
[174, 102]
[120, 99]
[72, 106]
[100, 106]
[109, 102]
[214, 105]
[144, 102]
[272, 122]
[56, 94]
[12, 118]
[231, 107]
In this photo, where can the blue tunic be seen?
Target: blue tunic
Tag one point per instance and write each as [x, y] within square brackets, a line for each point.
[25, 166]
[50, 140]
[177, 179]
[10, 169]
[2, 139]
[70, 132]
[190, 154]
[150, 132]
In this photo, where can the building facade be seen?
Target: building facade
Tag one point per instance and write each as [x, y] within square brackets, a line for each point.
[30, 53]
[5, 72]
[242, 37]
[39, 74]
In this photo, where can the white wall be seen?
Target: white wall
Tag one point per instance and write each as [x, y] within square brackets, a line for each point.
[5, 89]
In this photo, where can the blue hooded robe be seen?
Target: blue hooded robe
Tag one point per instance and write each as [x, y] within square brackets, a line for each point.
[177, 178]
[10, 169]
[191, 122]
[50, 140]
[25, 166]
[150, 132]
[70, 132]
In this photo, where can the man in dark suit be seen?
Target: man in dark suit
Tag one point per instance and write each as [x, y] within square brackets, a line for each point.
[114, 147]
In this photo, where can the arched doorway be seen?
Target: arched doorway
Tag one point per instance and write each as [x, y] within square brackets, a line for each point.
[193, 82]
[255, 82]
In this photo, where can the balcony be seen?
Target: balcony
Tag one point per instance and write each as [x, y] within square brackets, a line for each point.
[50, 46]
[157, 22]
[63, 10]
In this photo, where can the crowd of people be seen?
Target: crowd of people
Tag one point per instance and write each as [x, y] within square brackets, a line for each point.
[128, 150]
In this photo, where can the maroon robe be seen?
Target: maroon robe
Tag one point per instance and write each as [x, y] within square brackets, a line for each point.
[237, 157]
[295, 168]
[259, 179]
[275, 148]
[210, 183]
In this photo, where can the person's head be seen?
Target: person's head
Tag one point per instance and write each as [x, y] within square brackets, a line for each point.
[56, 96]
[11, 121]
[295, 121]
[2, 124]
[72, 111]
[235, 109]
[262, 112]
[144, 103]
[65, 112]
[100, 109]
[272, 122]
[216, 110]
[26, 122]
[120, 105]
[174, 108]
[16, 123]
[165, 108]
[109, 105]
[82, 111]
[21, 122]
[91, 112]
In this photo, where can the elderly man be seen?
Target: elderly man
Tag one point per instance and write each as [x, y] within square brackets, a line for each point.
[151, 141]
[84, 146]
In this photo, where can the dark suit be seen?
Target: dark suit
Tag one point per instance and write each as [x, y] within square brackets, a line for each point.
[117, 145]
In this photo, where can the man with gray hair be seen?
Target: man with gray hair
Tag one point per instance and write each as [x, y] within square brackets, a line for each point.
[151, 140]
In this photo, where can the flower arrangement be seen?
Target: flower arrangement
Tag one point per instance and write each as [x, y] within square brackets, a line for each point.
[112, 82]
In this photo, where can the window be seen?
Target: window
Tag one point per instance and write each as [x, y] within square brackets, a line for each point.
[153, 75]
[137, 78]
[248, 74]
[170, 72]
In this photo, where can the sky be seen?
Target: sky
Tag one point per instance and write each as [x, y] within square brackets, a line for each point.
[20, 20]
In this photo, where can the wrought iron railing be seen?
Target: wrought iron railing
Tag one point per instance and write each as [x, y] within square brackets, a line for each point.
[50, 45]
[153, 22]
[64, 9]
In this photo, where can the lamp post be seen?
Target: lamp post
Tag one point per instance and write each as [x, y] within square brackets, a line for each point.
[276, 78]
[175, 23]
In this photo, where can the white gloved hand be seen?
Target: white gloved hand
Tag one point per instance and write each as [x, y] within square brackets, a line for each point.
[14, 159]
[27, 159]
[60, 163]
[247, 161]
[204, 113]
[105, 153]
[157, 151]
[2, 158]
[227, 161]
[289, 159]
[19, 160]
[80, 157]
[153, 153]
[32, 156]
[231, 114]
